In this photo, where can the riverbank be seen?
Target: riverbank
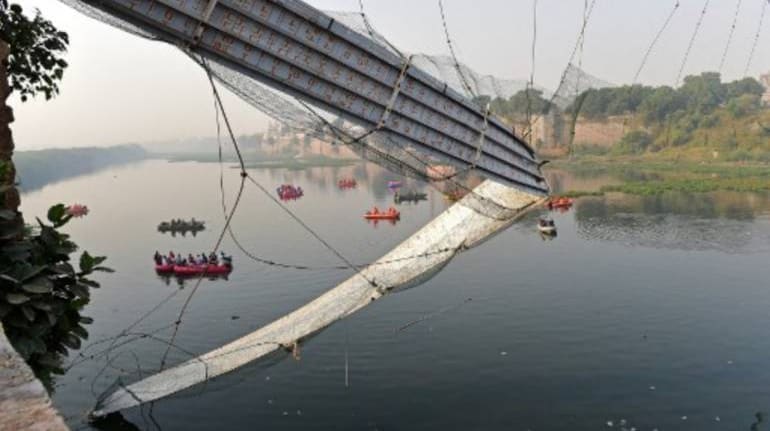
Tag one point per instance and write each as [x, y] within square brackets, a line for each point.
[644, 176]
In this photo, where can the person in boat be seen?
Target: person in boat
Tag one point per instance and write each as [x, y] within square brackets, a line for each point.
[213, 258]
[157, 257]
[375, 210]
[225, 260]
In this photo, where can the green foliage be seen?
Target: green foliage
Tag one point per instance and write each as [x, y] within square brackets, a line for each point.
[744, 105]
[703, 113]
[517, 105]
[42, 294]
[634, 142]
[603, 102]
[35, 64]
[701, 185]
[699, 94]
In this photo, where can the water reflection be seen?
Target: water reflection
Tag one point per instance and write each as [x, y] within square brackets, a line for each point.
[182, 280]
[577, 296]
[374, 222]
[724, 221]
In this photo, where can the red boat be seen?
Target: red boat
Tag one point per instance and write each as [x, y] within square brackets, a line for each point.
[347, 183]
[390, 214]
[560, 203]
[289, 192]
[164, 269]
[202, 269]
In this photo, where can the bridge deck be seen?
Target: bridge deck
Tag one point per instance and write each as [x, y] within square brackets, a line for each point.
[297, 49]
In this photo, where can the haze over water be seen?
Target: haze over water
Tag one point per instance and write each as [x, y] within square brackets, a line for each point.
[644, 312]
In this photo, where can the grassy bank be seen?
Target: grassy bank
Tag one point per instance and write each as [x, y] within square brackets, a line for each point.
[641, 176]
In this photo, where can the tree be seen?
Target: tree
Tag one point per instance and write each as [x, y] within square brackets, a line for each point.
[41, 293]
[35, 64]
[704, 93]
[744, 86]
[30, 53]
[633, 142]
[744, 105]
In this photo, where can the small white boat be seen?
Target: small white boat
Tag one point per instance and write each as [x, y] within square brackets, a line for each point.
[546, 226]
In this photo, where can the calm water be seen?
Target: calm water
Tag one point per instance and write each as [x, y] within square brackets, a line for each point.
[641, 313]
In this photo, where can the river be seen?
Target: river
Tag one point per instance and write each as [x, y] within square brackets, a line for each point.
[644, 312]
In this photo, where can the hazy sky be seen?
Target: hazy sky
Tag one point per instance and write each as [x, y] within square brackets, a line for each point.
[120, 88]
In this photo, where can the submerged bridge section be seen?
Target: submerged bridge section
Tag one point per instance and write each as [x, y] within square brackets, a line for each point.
[298, 50]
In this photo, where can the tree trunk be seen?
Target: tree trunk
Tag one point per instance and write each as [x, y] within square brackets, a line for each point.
[11, 221]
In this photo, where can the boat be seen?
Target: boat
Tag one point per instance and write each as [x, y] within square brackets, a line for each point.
[289, 192]
[390, 214]
[202, 269]
[347, 183]
[560, 203]
[411, 196]
[394, 184]
[547, 227]
[164, 269]
[179, 225]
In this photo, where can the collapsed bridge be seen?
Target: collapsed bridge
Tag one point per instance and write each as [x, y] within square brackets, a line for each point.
[283, 56]
[303, 52]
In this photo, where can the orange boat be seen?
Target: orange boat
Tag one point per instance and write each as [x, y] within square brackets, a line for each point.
[560, 203]
[376, 214]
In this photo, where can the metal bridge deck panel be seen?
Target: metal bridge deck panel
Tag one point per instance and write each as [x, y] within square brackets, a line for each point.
[299, 50]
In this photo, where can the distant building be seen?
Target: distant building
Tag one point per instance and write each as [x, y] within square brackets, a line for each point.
[765, 80]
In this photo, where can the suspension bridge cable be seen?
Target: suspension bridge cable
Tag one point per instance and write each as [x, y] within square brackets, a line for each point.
[692, 42]
[531, 82]
[730, 35]
[373, 34]
[756, 37]
[655, 42]
[229, 219]
[457, 65]
[563, 78]
[582, 47]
